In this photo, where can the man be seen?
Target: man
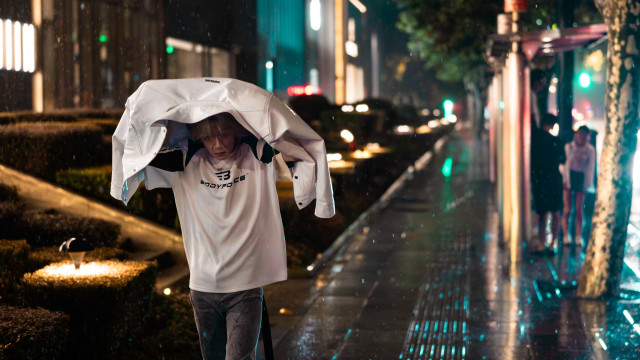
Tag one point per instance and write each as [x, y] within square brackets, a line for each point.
[225, 191]
[212, 140]
[546, 179]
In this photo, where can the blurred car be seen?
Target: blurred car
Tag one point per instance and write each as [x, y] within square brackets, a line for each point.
[310, 108]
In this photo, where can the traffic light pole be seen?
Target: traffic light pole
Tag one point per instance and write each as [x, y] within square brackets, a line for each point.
[565, 83]
[515, 156]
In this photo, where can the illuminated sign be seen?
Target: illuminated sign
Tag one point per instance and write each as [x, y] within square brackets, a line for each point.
[17, 46]
[303, 90]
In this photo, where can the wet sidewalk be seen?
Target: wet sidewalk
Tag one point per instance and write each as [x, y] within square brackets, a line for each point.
[425, 279]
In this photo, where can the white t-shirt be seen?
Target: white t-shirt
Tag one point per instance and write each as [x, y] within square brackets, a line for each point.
[231, 225]
[581, 159]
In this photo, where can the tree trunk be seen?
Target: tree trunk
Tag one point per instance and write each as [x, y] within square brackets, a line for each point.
[600, 276]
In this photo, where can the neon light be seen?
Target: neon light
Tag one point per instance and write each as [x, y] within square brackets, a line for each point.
[17, 46]
[1, 44]
[269, 66]
[8, 41]
[28, 45]
[315, 14]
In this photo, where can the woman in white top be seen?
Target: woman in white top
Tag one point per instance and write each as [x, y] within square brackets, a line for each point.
[577, 177]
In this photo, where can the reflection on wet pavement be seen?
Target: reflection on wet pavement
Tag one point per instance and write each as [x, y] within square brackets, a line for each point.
[429, 280]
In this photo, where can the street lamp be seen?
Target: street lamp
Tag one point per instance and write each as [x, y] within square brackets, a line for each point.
[76, 250]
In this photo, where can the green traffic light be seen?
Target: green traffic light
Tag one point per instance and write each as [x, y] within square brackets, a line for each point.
[584, 80]
[102, 38]
[447, 167]
[448, 108]
[169, 49]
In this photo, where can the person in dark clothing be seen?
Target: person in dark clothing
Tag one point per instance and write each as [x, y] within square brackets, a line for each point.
[546, 180]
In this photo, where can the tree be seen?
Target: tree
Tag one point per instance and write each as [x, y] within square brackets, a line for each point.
[600, 275]
[450, 36]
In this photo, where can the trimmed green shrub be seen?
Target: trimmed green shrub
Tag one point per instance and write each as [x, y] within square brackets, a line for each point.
[13, 260]
[170, 333]
[59, 116]
[11, 209]
[108, 302]
[41, 257]
[157, 205]
[94, 182]
[52, 228]
[18, 117]
[32, 334]
[8, 193]
[41, 149]
[108, 126]
[10, 217]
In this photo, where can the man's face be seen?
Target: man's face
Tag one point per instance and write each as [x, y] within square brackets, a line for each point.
[219, 146]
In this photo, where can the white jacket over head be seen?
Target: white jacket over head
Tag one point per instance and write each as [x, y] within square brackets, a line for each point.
[156, 114]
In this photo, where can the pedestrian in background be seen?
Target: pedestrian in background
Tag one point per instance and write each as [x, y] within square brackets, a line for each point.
[546, 180]
[578, 172]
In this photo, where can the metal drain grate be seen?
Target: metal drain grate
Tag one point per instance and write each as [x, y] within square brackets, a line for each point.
[439, 325]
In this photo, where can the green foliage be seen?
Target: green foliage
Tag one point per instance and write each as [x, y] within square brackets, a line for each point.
[41, 149]
[450, 36]
[32, 334]
[52, 228]
[107, 309]
[157, 205]
[13, 259]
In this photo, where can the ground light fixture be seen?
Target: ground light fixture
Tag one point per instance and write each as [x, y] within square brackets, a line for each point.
[76, 250]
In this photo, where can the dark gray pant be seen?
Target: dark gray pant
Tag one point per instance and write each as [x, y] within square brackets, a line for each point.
[228, 324]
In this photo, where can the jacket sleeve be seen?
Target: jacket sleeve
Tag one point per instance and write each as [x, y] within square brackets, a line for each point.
[565, 169]
[118, 142]
[311, 178]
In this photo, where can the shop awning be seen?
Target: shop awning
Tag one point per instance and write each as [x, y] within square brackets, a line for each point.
[547, 42]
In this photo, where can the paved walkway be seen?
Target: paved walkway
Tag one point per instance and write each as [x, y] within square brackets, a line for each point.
[425, 279]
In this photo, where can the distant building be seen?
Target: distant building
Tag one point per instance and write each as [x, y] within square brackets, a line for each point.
[315, 46]
[60, 54]
[89, 54]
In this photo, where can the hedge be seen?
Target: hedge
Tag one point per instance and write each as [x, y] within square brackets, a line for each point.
[170, 333]
[13, 260]
[11, 210]
[32, 334]
[59, 116]
[41, 149]
[157, 205]
[8, 193]
[52, 228]
[108, 302]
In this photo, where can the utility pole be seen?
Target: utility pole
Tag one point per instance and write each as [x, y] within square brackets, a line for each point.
[564, 9]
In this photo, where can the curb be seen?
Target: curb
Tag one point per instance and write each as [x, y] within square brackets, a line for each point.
[339, 245]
